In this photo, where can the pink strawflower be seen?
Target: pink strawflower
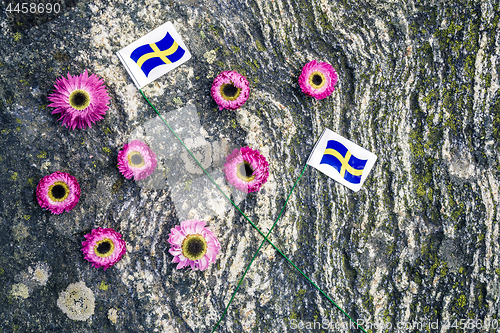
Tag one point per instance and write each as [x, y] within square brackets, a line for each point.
[103, 247]
[193, 245]
[137, 160]
[230, 90]
[81, 100]
[58, 192]
[318, 80]
[246, 169]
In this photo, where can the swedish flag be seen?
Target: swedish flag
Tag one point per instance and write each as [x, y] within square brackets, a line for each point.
[338, 156]
[150, 56]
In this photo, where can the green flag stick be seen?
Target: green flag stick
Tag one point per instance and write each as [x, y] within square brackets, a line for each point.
[257, 252]
[260, 232]
[284, 256]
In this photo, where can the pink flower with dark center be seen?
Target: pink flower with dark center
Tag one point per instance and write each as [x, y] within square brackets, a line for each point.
[137, 160]
[193, 245]
[230, 90]
[318, 80]
[103, 247]
[81, 100]
[246, 169]
[58, 192]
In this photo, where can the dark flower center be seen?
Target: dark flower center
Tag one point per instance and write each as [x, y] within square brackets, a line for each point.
[194, 247]
[79, 99]
[229, 91]
[135, 159]
[317, 79]
[58, 191]
[104, 247]
[246, 169]
[244, 172]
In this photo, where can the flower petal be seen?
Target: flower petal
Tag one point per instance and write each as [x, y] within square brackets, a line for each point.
[99, 234]
[236, 79]
[138, 172]
[57, 207]
[189, 227]
[327, 71]
[72, 118]
[258, 164]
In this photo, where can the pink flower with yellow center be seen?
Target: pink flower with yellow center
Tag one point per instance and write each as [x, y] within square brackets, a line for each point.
[136, 160]
[230, 90]
[246, 169]
[193, 245]
[81, 100]
[318, 80]
[103, 247]
[58, 192]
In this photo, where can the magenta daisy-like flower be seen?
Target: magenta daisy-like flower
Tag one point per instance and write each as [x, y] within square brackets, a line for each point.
[137, 160]
[230, 90]
[318, 80]
[81, 100]
[103, 247]
[58, 192]
[246, 169]
[193, 245]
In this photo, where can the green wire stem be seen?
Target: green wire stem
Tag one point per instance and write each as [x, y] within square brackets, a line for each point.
[256, 252]
[256, 228]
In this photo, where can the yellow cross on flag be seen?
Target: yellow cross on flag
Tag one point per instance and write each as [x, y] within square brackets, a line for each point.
[342, 160]
[154, 54]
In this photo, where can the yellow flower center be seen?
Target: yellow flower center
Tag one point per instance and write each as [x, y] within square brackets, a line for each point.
[244, 172]
[79, 99]
[229, 91]
[104, 248]
[194, 247]
[58, 191]
[135, 159]
[317, 80]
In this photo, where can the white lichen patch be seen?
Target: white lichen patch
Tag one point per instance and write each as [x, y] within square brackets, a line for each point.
[77, 301]
[20, 231]
[45, 166]
[20, 290]
[177, 101]
[31, 279]
[40, 274]
[113, 315]
[210, 56]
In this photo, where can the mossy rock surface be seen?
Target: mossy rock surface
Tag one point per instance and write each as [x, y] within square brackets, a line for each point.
[418, 244]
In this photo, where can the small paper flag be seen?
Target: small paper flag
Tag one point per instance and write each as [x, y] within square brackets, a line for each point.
[342, 160]
[154, 54]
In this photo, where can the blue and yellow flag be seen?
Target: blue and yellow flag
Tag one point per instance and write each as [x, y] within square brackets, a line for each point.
[150, 56]
[342, 160]
[349, 166]
[154, 54]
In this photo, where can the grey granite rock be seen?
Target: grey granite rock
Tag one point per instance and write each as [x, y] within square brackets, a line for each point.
[419, 244]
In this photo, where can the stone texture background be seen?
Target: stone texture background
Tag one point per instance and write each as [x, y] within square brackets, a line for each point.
[418, 85]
